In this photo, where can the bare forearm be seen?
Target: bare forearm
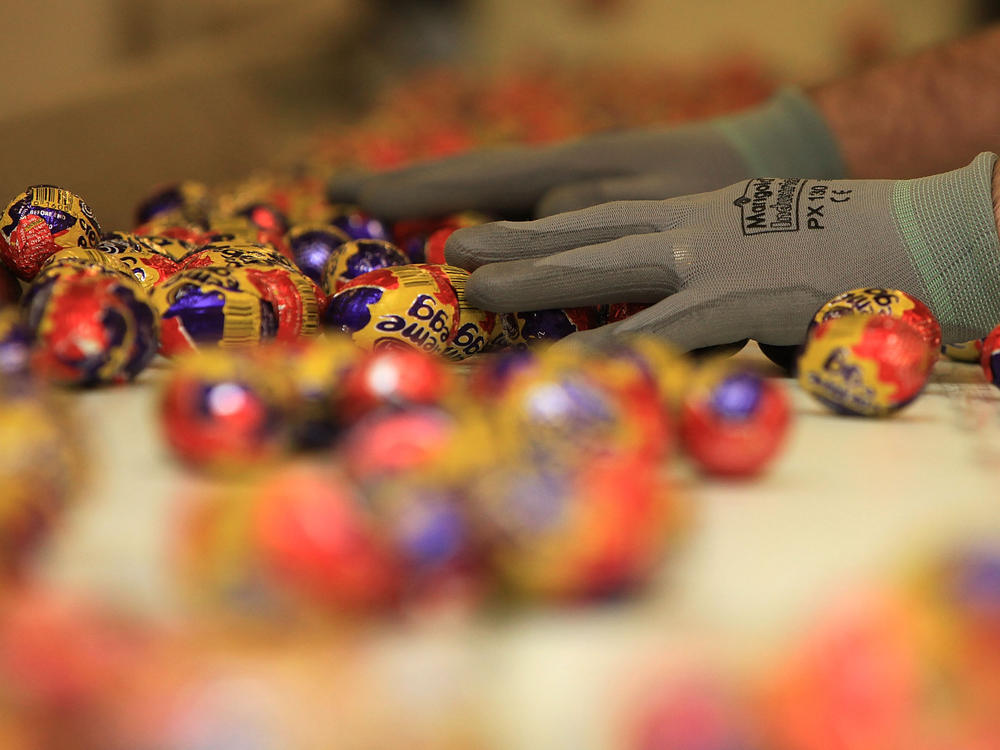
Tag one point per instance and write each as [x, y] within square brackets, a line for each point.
[920, 115]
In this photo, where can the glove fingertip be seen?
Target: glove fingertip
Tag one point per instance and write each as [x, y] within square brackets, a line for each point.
[596, 338]
[493, 287]
[462, 248]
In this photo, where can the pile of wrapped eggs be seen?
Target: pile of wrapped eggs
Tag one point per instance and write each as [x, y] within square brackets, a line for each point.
[354, 469]
[296, 327]
[539, 472]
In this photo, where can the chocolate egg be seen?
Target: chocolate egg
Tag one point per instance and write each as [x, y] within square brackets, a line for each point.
[213, 306]
[869, 365]
[407, 306]
[41, 221]
[358, 257]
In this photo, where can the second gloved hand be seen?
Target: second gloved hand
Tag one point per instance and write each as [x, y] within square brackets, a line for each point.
[786, 135]
[753, 260]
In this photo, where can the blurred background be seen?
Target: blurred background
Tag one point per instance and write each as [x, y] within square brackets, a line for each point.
[111, 97]
[763, 609]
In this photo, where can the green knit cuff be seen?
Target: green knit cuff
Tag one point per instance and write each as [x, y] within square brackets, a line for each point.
[786, 137]
[947, 222]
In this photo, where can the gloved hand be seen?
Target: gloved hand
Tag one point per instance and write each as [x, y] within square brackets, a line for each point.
[784, 136]
[753, 260]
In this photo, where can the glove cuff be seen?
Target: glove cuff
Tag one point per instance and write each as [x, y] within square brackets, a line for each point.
[947, 223]
[784, 137]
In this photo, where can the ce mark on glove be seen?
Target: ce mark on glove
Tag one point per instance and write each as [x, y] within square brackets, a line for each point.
[820, 195]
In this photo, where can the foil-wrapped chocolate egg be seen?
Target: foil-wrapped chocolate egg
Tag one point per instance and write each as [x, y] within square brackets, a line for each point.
[358, 257]
[219, 410]
[301, 536]
[212, 306]
[989, 356]
[543, 326]
[869, 365]
[445, 440]
[41, 221]
[297, 299]
[733, 422]
[595, 530]
[393, 378]
[182, 202]
[91, 329]
[312, 245]
[965, 351]
[573, 406]
[406, 306]
[357, 224]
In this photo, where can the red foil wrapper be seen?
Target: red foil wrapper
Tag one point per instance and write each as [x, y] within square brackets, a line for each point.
[870, 365]
[292, 294]
[989, 356]
[733, 423]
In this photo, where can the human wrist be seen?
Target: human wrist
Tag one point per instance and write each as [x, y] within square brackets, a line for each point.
[786, 136]
[948, 223]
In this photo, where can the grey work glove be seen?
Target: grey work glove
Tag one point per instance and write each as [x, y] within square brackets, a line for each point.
[753, 260]
[784, 136]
